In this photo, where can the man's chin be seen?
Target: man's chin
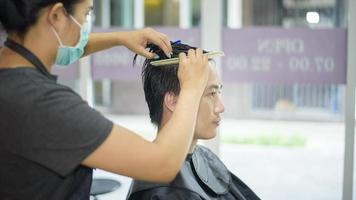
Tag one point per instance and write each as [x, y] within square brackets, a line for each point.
[208, 136]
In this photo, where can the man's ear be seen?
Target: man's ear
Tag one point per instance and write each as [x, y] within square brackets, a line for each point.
[170, 101]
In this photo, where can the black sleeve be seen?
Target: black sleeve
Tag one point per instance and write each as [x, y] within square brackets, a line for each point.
[57, 129]
[165, 193]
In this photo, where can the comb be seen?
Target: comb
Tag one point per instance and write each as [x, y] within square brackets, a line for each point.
[171, 61]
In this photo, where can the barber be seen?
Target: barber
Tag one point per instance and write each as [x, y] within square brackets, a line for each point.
[50, 139]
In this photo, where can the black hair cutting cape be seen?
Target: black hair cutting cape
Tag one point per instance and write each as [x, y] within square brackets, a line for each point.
[202, 177]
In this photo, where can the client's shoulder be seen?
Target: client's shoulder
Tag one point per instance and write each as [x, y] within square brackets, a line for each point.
[211, 171]
[204, 156]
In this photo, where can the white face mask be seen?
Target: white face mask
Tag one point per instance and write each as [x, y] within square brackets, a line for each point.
[67, 55]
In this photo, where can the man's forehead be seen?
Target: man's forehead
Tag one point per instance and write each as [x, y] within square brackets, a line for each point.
[213, 76]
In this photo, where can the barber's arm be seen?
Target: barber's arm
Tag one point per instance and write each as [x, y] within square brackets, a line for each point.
[135, 40]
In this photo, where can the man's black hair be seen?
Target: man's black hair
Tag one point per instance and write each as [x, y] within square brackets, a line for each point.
[157, 81]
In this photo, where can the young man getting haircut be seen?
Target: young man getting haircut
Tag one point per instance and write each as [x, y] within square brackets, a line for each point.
[203, 176]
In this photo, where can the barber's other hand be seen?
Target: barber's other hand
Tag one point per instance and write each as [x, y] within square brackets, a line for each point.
[137, 41]
[193, 72]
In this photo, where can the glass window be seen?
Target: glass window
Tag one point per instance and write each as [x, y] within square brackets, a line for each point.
[295, 131]
[122, 13]
[162, 12]
[196, 12]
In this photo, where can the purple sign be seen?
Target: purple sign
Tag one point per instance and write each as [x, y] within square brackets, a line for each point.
[117, 63]
[277, 55]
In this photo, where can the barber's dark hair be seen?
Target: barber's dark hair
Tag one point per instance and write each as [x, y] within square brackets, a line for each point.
[18, 15]
[157, 81]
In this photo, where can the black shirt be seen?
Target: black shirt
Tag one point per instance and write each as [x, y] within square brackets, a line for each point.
[46, 131]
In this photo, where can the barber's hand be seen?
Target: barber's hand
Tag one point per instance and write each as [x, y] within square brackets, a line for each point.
[193, 72]
[137, 41]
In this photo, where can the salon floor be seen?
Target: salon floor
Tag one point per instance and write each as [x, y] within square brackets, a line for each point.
[310, 168]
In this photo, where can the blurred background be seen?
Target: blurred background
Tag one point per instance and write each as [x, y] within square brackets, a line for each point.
[284, 77]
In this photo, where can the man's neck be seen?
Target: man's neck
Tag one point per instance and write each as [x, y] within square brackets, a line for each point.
[193, 145]
[194, 141]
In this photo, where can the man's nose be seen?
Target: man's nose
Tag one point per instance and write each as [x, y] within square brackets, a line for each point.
[219, 106]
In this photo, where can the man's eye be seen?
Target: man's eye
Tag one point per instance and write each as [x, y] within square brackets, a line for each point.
[213, 93]
[217, 92]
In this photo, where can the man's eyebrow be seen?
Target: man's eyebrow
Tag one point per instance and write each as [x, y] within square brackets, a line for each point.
[215, 86]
